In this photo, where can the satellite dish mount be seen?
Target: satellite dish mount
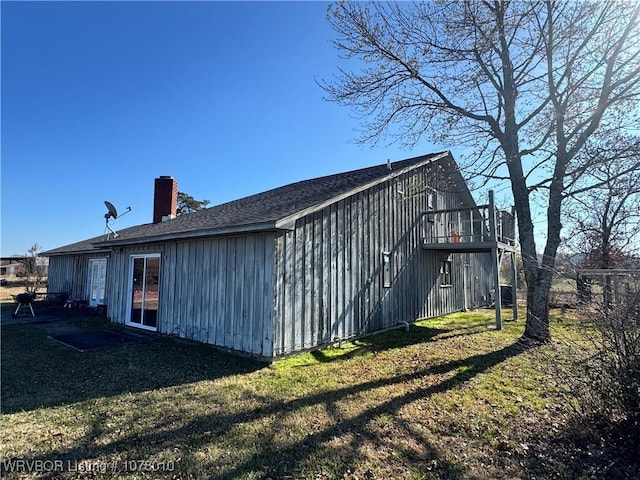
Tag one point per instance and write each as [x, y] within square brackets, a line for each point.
[112, 212]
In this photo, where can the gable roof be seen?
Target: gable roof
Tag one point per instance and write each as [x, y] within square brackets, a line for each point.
[267, 211]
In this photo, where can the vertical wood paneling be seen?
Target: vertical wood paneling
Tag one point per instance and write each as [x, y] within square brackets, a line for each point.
[288, 288]
[199, 304]
[368, 254]
[267, 313]
[318, 274]
[249, 301]
[213, 281]
[168, 289]
[299, 281]
[308, 261]
[70, 274]
[331, 286]
[347, 293]
[181, 270]
[216, 290]
[246, 292]
[333, 273]
[364, 264]
[221, 314]
[338, 315]
[325, 272]
[356, 258]
[257, 305]
[270, 294]
[279, 301]
[374, 251]
[231, 308]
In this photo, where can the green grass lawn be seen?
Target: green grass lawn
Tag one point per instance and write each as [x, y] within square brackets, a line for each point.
[451, 398]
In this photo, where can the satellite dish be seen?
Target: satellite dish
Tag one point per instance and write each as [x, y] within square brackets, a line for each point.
[112, 213]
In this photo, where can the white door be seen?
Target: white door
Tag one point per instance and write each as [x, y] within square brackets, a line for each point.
[97, 281]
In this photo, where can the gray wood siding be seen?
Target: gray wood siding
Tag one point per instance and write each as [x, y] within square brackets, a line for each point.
[268, 294]
[214, 290]
[329, 269]
[481, 265]
[70, 273]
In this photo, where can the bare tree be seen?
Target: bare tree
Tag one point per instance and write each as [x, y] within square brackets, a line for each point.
[34, 269]
[524, 85]
[603, 221]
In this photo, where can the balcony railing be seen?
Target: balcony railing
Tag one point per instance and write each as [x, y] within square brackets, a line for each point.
[483, 224]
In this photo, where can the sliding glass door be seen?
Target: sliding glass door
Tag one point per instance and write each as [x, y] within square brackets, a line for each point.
[144, 286]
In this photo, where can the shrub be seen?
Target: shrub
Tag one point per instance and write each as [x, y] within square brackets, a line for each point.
[601, 379]
[613, 373]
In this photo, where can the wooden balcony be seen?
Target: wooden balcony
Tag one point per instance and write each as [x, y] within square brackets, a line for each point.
[472, 229]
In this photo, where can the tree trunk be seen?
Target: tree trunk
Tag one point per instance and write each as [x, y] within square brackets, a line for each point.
[538, 285]
[538, 277]
[539, 288]
[538, 293]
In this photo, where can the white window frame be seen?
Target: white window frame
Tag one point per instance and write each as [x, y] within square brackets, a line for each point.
[102, 281]
[387, 270]
[130, 290]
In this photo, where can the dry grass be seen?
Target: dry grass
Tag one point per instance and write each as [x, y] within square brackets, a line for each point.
[451, 398]
[13, 287]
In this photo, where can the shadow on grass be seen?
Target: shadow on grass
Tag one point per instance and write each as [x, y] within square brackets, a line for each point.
[396, 338]
[37, 372]
[270, 457]
[399, 338]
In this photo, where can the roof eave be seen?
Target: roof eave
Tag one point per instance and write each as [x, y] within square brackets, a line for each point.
[81, 251]
[215, 232]
[288, 222]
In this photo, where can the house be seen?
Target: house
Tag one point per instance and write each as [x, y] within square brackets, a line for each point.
[299, 266]
[12, 266]
[16, 266]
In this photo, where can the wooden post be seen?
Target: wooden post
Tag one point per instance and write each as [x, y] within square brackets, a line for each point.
[471, 232]
[465, 285]
[492, 218]
[514, 263]
[514, 285]
[495, 260]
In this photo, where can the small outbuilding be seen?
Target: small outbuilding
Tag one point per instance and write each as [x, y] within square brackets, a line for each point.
[611, 285]
[299, 266]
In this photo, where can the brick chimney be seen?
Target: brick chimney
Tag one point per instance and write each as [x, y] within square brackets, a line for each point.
[165, 198]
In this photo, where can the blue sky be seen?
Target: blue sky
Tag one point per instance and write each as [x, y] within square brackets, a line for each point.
[99, 98]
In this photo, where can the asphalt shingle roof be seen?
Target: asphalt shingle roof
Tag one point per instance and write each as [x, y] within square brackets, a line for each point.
[262, 209]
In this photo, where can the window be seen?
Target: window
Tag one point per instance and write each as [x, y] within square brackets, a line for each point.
[386, 270]
[431, 200]
[445, 273]
[431, 205]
